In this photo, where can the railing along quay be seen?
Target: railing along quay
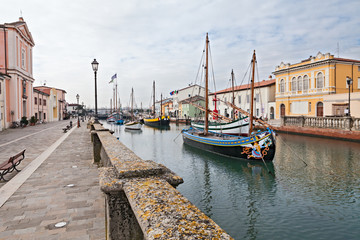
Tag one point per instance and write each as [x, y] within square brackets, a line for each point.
[141, 199]
[341, 123]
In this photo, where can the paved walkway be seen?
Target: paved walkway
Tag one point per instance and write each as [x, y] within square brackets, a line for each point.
[53, 161]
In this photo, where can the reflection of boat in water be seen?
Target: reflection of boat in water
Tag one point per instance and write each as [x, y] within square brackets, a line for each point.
[257, 146]
[160, 121]
[133, 125]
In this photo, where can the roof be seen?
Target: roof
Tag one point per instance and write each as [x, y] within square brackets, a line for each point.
[194, 85]
[43, 88]
[41, 92]
[22, 28]
[263, 83]
[347, 60]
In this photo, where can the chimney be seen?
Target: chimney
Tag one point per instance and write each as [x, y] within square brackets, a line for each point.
[21, 19]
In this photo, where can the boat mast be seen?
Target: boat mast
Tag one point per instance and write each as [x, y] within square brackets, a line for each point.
[206, 87]
[154, 97]
[252, 93]
[132, 103]
[115, 96]
[160, 105]
[233, 93]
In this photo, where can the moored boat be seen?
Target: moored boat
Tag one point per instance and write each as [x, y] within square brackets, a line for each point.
[162, 120]
[133, 125]
[257, 146]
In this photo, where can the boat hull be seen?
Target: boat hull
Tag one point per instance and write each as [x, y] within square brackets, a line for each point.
[258, 147]
[157, 122]
[133, 126]
[237, 127]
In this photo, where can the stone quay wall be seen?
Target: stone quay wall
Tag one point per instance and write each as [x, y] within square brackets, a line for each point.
[140, 196]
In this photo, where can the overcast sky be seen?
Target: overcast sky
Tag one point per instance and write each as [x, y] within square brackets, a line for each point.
[162, 40]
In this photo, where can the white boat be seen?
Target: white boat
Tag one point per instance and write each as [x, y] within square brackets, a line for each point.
[133, 125]
[238, 127]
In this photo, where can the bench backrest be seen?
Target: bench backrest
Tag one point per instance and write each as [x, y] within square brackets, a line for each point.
[17, 156]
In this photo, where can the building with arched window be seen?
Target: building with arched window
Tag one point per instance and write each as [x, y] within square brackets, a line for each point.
[16, 62]
[317, 87]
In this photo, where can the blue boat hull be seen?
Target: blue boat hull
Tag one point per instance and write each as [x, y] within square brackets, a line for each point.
[258, 147]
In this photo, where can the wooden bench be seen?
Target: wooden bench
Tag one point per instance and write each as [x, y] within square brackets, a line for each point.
[11, 164]
[65, 129]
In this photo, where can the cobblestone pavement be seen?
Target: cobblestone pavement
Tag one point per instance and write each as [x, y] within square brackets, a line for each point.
[45, 197]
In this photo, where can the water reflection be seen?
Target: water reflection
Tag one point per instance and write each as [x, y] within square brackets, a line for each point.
[313, 191]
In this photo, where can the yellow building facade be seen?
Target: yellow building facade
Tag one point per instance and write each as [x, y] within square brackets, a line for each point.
[301, 87]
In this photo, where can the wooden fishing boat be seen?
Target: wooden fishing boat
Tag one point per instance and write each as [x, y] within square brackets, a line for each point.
[133, 125]
[257, 146]
[162, 120]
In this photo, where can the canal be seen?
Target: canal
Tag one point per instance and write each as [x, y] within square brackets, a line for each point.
[312, 192]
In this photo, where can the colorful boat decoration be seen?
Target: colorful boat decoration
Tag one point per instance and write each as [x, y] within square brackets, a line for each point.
[162, 120]
[257, 146]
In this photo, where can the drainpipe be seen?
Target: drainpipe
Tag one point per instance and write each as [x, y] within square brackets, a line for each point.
[5, 50]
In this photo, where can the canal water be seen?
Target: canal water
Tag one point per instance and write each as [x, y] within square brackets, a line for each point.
[312, 192]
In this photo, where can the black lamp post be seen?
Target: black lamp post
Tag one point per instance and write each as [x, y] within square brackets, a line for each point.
[349, 82]
[95, 66]
[77, 97]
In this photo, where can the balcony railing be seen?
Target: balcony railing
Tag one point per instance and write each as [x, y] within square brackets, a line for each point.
[345, 123]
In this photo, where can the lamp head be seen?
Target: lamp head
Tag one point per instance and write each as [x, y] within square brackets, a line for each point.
[349, 80]
[95, 65]
[77, 96]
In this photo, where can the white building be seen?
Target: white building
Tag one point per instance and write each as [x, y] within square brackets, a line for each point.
[264, 99]
[185, 93]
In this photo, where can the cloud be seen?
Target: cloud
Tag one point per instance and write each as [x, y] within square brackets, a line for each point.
[163, 40]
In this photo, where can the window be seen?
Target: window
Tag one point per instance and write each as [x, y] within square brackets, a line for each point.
[23, 58]
[239, 99]
[36, 116]
[257, 112]
[44, 102]
[306, 83]
[257, 98]
[358, 84]
[319, 80]
[0, 87]
[35, 100]
[247, 98]
[44, 116]
[282, 85]
[309, 106]
[299, 83]
[225, 100]
[39, 101]
[293, 84]
[358, 68]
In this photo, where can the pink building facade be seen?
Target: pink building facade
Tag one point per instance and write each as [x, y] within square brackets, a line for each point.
[41, 100]
[16, 64]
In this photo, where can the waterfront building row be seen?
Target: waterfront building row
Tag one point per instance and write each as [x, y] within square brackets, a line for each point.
[316, 87]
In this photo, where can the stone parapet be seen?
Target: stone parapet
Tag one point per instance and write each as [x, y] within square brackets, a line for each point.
[141, 200]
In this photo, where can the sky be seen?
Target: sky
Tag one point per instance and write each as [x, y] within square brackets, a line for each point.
[162, 40]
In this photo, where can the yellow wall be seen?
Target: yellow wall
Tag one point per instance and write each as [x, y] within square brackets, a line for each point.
[334, 71]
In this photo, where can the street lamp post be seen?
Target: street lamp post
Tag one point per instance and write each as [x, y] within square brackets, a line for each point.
[349, 82]
[95, 66]
[77, 97]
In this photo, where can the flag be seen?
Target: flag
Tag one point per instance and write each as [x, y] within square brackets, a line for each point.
[112, 78]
